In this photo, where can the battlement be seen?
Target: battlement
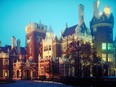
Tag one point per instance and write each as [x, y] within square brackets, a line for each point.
[103, 20]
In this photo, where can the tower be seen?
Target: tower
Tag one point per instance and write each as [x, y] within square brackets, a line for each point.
[102, 33]
[34, 35]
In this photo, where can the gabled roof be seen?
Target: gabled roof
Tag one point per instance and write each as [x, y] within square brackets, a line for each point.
[69, 31]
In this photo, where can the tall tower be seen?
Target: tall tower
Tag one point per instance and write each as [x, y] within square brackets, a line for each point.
[102, 33]
[34, 35]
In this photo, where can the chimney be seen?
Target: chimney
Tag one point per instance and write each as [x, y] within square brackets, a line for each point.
[81, 14]
[18, 46]
[96, 8]
[13, 42]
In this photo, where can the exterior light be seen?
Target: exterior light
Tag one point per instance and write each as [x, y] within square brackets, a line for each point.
[107, 10]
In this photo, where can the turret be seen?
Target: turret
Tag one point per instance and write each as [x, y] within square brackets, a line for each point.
[102, 32]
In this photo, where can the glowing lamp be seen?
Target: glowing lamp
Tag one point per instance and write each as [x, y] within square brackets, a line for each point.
[107, 10]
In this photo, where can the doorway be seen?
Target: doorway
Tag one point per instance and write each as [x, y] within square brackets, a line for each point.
[27, 74]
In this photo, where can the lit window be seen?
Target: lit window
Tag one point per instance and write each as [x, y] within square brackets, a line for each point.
[110, 46]
[104, 57]
[42, 70]
[5, 73]
[110, 57]
[103, 46]
[46, 48]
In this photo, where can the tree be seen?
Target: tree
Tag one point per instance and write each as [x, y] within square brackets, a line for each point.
[86, 59]
[97, 70]
[52, 68]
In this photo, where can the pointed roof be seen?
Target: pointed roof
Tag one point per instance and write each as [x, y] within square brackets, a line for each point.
[69, 31]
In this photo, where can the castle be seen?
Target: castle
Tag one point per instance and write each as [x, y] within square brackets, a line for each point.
[44, 50]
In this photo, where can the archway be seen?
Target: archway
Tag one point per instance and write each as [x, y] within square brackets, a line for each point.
[27, 74]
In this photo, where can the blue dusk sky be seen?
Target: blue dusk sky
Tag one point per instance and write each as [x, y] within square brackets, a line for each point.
[16, 14]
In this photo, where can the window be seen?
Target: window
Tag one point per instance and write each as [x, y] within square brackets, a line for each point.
[110, 46]
[103, 46]
[49, 47]
[42, 70]
[104, 57]
[110, 57]
[5, 61]
[5, 73]
[46, 48]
